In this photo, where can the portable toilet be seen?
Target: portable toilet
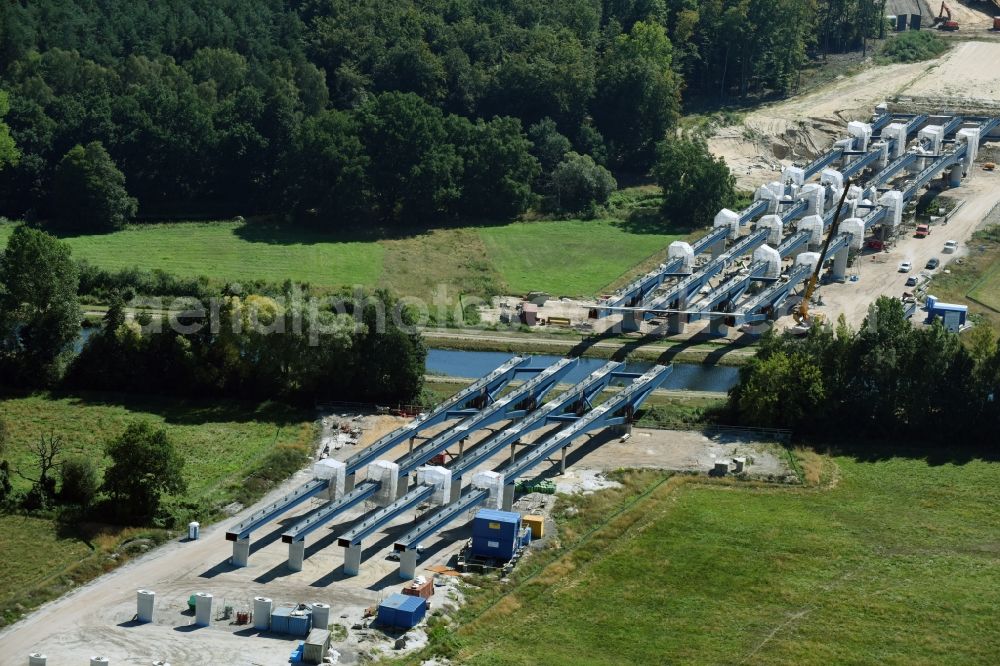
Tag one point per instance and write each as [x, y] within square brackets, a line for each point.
[299, 623]
[495, 533]
[279, 619]
[400, 610]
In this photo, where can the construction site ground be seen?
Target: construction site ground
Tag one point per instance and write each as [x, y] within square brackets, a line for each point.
[98, 618]
[796, 130]
[878, 272]
[799, 129]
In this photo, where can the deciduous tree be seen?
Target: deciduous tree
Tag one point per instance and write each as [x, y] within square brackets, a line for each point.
[39, 313]
[89, 191]
[144, 466]
[695, 184]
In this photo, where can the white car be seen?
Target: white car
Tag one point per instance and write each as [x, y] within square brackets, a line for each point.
[905, 267]
[950, 246]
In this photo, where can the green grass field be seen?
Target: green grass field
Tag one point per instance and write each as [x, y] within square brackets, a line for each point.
[987, 290]
[890, 562]
[229, 251]
[976, 280]
[222, 444]
[565, 257]
[569, 257]
[218, 442]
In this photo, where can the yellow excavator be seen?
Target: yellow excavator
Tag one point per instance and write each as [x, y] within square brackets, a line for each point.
[801, 315]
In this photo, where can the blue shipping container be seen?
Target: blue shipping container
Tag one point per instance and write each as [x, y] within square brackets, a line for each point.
[299, 625]
[495, 533]
[400, 610]
[279, 619]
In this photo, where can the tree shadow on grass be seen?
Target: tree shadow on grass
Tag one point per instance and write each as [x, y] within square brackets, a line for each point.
[316, 232]
[650, 220]
[869, 449]
[181, 411]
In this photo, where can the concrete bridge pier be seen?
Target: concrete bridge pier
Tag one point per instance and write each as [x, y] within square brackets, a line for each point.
[840, 264]
[631, 322]
[241, 552]
[955, 176]
[408, 564]
[352, 559]
[508, 497]
[717, 326]
[296, 554]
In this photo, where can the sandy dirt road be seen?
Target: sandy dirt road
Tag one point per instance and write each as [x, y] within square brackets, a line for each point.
[878, 272]
[798, 129]
[970, 70]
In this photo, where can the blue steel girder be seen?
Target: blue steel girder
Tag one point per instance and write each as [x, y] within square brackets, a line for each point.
[952, 125]
[753, 210]
[411, 540]
[608, 411]
[873, 218]
[987, 126]
[881, 121]
[860, 164]
[728, 291]
[383, 516]
[753, 309]
[933, 169]
[689, 285]
[508, 407]
[891, 169]
[309, 489]
[822, 162]
[795, 211]
[639, 289]
[616, 410]
[709, 239]
[776, 293]
[794, 242]
[915, 123]
[482, 390]
[552, 411]
[314, 521]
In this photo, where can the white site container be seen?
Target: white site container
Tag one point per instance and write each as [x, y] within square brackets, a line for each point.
[144, 605]
[203, 609]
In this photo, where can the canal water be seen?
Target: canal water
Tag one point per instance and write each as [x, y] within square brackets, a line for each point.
[476, 364]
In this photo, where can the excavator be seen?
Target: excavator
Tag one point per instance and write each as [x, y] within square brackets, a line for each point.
[804, 321]
[943, 20]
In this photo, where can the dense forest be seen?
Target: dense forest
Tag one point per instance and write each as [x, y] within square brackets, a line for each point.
[401, 110]
[887, 380]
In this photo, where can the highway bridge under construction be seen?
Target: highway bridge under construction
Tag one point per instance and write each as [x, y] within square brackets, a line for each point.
[883, 164]
[505, 413]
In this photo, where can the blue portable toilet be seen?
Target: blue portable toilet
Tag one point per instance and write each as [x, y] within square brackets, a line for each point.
[299, 623]
[495, 533]
[401, 610]
[279, 619]
[526, 536]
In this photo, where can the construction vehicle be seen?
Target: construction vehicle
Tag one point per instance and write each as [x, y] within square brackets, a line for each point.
[944, 20]
[802, 317]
